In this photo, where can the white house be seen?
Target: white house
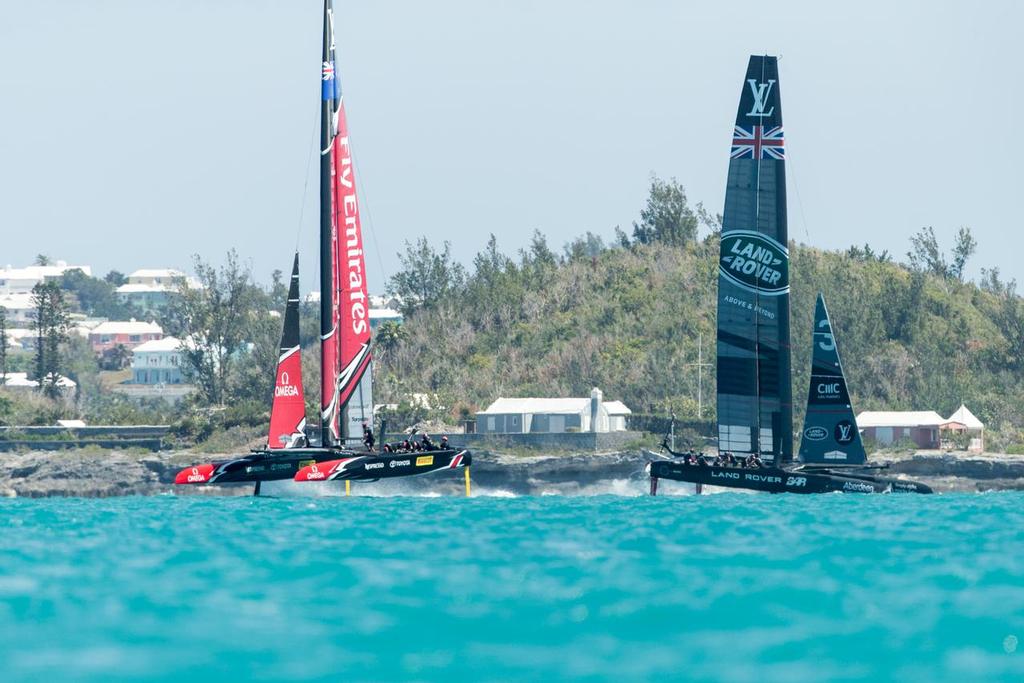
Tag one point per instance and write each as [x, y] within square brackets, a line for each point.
[21, 338]
[20, 380]
[150, 288]
[552, 415]
[378, 316]
[18, 307]
[157, 362]
[22, 280]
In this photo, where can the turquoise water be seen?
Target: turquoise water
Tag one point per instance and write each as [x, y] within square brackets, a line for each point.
[725, 587]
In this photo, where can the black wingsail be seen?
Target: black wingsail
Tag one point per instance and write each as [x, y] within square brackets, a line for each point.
[830, 429]
[755, 401]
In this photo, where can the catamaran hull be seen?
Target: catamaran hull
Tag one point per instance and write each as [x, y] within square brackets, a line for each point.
[782, 480]
[271, 465]
[374, 467]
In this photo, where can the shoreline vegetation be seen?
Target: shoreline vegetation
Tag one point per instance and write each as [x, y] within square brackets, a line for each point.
[633, 314]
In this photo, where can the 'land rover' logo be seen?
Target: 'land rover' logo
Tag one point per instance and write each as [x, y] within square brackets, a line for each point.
[754, 262]
[816, 433]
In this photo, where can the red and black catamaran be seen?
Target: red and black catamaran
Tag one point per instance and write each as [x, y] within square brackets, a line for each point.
[345, 358]
[755, 398]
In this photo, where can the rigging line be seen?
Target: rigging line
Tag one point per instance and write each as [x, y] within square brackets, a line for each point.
[796, 188]
[305, 184]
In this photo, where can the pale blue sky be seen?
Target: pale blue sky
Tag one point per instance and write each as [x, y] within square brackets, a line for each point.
[135, 133]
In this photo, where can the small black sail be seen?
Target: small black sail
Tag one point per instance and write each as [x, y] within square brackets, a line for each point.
[830, 429]
[755, 398]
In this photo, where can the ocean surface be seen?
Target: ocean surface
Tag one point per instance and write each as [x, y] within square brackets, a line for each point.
[729, 587]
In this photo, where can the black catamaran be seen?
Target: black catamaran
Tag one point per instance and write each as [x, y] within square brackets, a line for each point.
[755, 402]
[345, 335]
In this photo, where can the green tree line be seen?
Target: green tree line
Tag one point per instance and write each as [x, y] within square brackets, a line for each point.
[628, 317]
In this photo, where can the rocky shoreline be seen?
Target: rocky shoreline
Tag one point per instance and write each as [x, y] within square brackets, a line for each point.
[93, 473]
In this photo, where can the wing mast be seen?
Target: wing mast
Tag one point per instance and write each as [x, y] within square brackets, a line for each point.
[344, 302]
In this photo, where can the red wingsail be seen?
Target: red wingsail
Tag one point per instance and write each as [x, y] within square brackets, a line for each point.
[354, 311]
[288, 414]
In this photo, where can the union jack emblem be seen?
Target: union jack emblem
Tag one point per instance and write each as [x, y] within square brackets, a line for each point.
[328, 71]
[757, 142]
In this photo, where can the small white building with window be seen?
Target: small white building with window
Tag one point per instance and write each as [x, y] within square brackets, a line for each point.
[157, 362]
[552, 415]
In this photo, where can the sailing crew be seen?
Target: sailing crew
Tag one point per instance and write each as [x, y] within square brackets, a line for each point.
[444, 442]
[428, 445]
[368, 439]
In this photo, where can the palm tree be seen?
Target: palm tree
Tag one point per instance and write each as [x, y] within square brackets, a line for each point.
[388, 337]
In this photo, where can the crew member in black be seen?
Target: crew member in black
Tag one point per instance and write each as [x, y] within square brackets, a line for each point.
[444, 443]
[368, 439]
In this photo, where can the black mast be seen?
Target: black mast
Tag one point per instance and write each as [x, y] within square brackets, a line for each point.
[326, 247]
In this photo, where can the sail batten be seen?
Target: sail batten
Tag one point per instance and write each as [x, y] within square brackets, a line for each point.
[753, 371]
[830, 429]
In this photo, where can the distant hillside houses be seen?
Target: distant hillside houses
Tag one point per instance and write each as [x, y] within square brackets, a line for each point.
[150, 289]
[22, 280]
[553, 415]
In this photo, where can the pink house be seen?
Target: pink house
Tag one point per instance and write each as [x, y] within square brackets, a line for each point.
[129, 334]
